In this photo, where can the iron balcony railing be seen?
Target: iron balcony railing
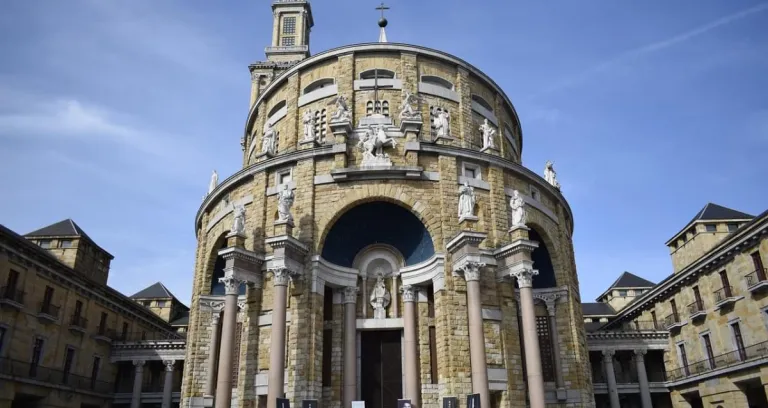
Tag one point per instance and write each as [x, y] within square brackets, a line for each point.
[729, 359]
[149, 336]
[78, 321]
[723, 293]
[25, 370]
[755, 277]
[104, 331]
[695, 307]
[670, 320]
[49, 309]
[12, 294]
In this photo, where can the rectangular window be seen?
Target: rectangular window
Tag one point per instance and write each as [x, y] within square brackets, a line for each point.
[3, 330]
[622, 293]
[37, 356]
[124, 336]
[327, 354]
[430, 303]
[289, 25]
[683, 358]
[433, 355]
[45, 243]
[48, 296]
[708, 350]
[289, 41]
[161, 303]
[13, 280]
[711, 227]
[653, 318]
[469, 172]
[78, 309]
[534, 193]
[736, 329]
[757, 262]
[284, 177]
[726, 283]
[673, 305]
[65, 243]
[103, 323]
[69, 360]
[697, 297]
[732, 227]
[545, 347]
[96, 367]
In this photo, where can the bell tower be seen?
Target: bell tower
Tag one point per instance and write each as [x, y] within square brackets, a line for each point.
[291, 25]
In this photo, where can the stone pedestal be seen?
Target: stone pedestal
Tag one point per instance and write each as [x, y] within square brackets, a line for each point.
[468, 222]
[411, 126]
[309, 143]
[283, 228]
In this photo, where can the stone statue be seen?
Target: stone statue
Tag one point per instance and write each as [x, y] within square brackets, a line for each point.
[309, 126]
[488, 133]
[442, 124]
[380, 298]
[268, 140]
[214, 182]
[406, 111]
[284, 203]
[519, 214]
[372, 143]
[550, 175]
[466, 201]
[342, 113]
[238, 222]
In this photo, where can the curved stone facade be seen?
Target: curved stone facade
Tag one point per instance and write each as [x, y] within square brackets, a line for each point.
[377, 244]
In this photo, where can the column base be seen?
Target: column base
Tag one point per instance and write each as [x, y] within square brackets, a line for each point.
[562, 394]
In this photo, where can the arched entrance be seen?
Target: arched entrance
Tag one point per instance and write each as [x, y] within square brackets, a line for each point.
[378, 239]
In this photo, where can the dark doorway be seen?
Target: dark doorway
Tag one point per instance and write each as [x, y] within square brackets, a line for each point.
[755, 393]
[381, 373]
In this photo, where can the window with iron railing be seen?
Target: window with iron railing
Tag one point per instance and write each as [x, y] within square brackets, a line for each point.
[732, 358]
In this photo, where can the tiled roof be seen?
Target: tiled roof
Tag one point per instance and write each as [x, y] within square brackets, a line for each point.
[66, 228]
[157, 290]
[597, 309]
[714, 212]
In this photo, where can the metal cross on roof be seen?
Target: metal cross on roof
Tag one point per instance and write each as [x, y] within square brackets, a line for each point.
[382, 7]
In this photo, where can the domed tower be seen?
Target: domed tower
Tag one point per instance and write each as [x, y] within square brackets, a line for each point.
[383, 241]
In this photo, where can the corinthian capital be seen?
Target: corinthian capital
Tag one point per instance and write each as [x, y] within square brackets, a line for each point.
[524, 277]
[409, 293]
[350, 294]
[282, 276]
[470, 270]
[231, 285]
[169, 364]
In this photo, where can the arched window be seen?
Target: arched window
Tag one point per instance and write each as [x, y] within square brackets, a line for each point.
[320, 83]
[369, 108]
[542, 262]
[217, 288]
[377, 73]
[276, 108]
[385, 108]
[436, 80]
[482, 102]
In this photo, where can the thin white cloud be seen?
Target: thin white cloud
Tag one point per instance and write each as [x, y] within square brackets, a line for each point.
[635, 53]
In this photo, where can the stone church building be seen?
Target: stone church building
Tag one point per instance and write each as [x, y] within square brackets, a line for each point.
[382, 240]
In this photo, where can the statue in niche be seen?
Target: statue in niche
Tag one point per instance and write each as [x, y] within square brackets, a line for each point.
[550, 176]
[442, 124]
[488, 132]
[406, 111]
[214, 182]
[284, 203]
[238, 222]
[466, 201]
[268, 140]
[380, 298]
[309, 126]
[519, 214]
[342, 113]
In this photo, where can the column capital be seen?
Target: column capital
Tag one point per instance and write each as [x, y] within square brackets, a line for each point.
[550, 300]
[169, 364]
[470, 270]
[640, 353]
[231, 285]
[524, 277]
[409, 293]
[350, 294]
[608, 353]
[139, 364]
[282, 276]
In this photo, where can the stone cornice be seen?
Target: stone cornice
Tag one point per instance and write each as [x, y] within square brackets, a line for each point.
[746, 237]
[463, 238]
[287, 241]
[515, 247]
[242, 254]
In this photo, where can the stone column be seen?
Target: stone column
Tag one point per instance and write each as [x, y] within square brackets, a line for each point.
[471, 273]
[412, 389]
[138, 379]
[642, 378]
[276, 383]
[224, 381]
[168, 383]
[610, 377]
[550, 301]
[524, 278]
[350, 347]
[212, 354]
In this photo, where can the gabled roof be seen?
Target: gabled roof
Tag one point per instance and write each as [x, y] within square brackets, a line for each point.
[628, 280]
[157, 290]
[597, 309]
[713, 212]
[64, 228]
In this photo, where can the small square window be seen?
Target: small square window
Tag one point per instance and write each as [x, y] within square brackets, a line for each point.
[471, 171]
[711, 228]
[45, 243]
[732, 227]
[65, 243]
[535, 193]
[622, 293]
[289, 41]
[468, 172]
[284, 178]
[146, 303]
[161, 303]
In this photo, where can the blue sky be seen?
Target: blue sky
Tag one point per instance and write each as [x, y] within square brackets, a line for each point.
[114, 113]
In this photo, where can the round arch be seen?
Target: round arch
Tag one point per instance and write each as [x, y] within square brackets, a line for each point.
[215, 268]
[542, 259]
[376, 222]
